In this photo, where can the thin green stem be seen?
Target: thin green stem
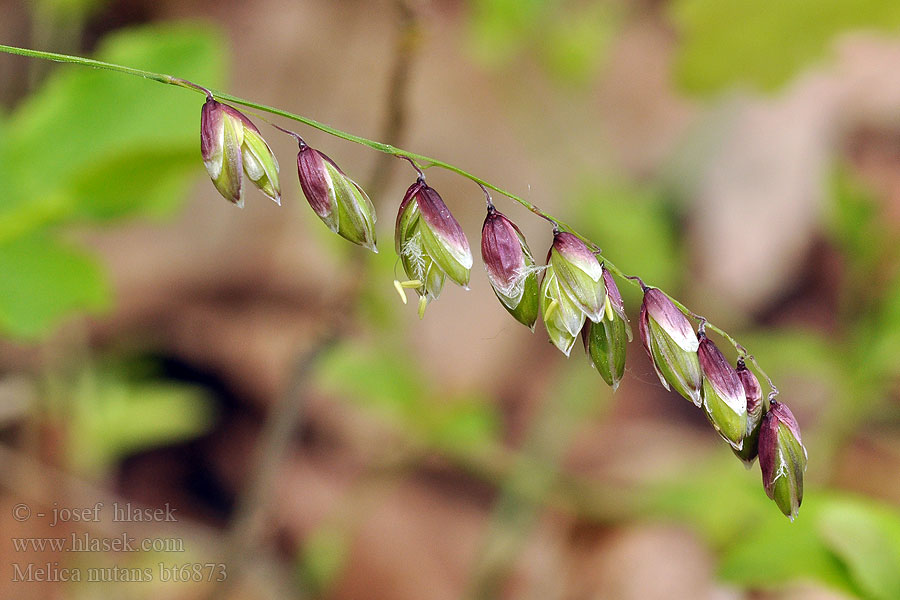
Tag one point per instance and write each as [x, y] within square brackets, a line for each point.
[88, 62]
[415, 158]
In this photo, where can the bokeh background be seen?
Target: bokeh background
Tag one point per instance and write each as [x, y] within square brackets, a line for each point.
[258, 374]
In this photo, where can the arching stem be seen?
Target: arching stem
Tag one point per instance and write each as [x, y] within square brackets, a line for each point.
[414, 158]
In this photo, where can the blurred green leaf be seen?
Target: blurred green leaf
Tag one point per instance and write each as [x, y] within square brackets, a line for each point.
[719, 500]
[69, 9]
[392, 384]
[42, 281]
[764, 43]
[499, 29]
[574, 44]
[569, 39]
[109, 416]
[866, 537]
[847, 543]
[461, 424]
[63, 148]
[386, 381]
[150, 183]
[775, 552]
[95, 145]
[758, 546]
[323, 558]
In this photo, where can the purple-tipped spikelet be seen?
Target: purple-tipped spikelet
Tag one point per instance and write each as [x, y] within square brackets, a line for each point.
[510, 267]
[671, 344]
[430, 242]
[338, 200]
[606, 341]
[578, 273]
[782, 458]
[231, 144]
[723, 394]
[572, 290]
[755, 408]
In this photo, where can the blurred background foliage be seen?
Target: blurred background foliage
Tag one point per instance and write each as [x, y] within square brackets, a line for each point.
[163, 347]
[88, 147]
[764, 45]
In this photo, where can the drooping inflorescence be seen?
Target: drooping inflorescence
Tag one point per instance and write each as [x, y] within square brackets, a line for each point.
[574, 292]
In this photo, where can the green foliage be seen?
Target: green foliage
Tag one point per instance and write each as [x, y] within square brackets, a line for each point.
[865, 536]
[872, 292]
[66, 9]
[500, 28]
[764, 43]
[776, 552]
[148, 183]
[323, 558]
[570, 39]
[111, 412]
[845, 542]
[391, 383]
[575, 44]
[883, 336]
[42, 279]
[90, 146]
[719, 501]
